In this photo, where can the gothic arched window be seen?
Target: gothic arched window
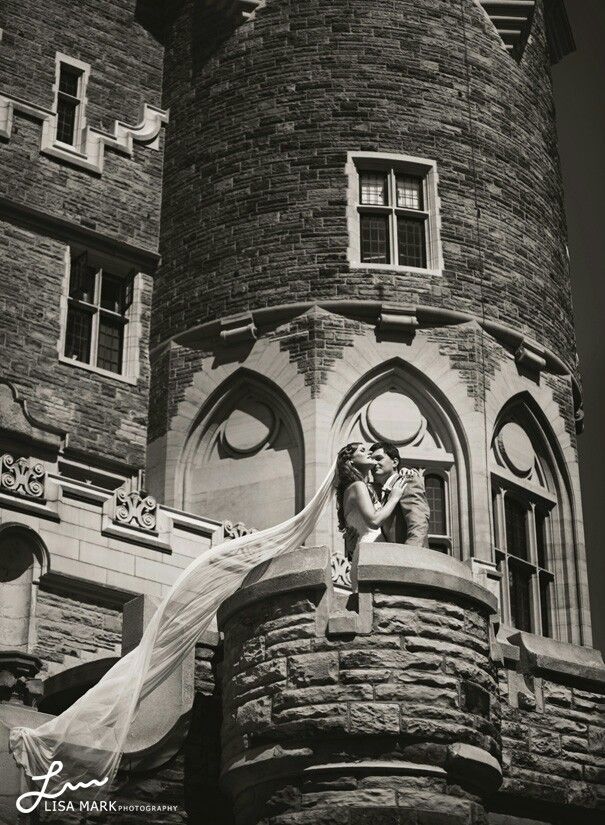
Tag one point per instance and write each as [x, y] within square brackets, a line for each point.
[243, 461]
[525, 513]
[398, 405]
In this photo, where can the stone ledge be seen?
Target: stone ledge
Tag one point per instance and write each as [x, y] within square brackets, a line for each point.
[274, 761]
[474, 766]
[547, 657]
[387, 563]
[306, 568]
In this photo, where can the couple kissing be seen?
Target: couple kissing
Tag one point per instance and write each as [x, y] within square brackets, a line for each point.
[379, 500]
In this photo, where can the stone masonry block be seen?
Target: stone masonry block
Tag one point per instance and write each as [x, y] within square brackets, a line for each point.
[374, 717]
[313, 669]
[254, 716]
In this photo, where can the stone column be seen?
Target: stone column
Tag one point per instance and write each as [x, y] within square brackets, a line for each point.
[373, 708]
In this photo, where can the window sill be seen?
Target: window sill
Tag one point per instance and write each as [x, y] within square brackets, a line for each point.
[68, 153]
[414, 270]
[124, 379]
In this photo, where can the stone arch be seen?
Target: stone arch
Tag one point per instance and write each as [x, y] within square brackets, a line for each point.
[243, 459]
[528, 463]
[23, 558]
[394, 401]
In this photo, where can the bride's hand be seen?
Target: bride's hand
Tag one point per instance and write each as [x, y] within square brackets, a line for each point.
[398, 488]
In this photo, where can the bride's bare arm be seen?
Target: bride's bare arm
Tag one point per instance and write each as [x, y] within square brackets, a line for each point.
[357, 495]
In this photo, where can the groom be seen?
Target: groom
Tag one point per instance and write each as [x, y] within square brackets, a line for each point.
[409, 523]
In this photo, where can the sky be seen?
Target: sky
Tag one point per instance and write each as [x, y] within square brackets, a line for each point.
[579, 83]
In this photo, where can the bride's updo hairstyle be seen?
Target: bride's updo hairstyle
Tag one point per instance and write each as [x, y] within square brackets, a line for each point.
[346, 474]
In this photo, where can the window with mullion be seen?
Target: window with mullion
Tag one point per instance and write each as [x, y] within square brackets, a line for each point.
[392, 220]
[521, 540]
[96, 316]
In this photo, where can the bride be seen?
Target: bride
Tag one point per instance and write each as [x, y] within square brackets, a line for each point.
[360, 512]
[85, 743]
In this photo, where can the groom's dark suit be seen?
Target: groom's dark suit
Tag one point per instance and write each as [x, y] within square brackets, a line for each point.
[409, 523]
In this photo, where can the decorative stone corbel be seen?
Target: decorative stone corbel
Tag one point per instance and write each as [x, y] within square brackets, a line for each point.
[135, 509]
[239, 329]
[22, 477]
[530, 356]
[397, 319]
[134, 516]
[341, 570]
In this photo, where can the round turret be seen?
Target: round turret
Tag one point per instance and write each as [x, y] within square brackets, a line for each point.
[382, 151]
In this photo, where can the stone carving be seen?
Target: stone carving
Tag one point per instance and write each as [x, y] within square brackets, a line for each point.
[22, 477]
[341, 571]
[136, 510]
[234, 530]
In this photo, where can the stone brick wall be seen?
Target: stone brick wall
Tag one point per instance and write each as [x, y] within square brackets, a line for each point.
[420, 680]
[122, 204]
[32, 274]
[554, 752]
[69, 632]
[261, 121]
[126, 72]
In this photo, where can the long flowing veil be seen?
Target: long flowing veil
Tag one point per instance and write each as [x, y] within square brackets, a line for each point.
[88, 738]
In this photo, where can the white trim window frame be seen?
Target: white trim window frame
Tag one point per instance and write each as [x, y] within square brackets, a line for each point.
[409, 202]
[529, 567]
[70, 86]
[127, 321]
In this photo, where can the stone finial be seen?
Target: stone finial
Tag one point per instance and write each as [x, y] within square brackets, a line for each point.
[135, 509]
[22, 477]
[234, 530]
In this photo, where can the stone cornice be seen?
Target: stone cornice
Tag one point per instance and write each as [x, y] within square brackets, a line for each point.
[425, 316]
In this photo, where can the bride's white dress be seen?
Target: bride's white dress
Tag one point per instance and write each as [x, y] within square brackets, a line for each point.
[354, 519]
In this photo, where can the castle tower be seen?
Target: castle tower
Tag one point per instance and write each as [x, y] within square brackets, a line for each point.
[363, 238]
[240, 234]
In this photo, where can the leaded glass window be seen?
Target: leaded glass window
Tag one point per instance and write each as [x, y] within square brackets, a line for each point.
[523, 548]
[393, 219]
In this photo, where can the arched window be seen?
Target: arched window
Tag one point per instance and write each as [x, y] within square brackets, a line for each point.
[397, 404]
[525, 510]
